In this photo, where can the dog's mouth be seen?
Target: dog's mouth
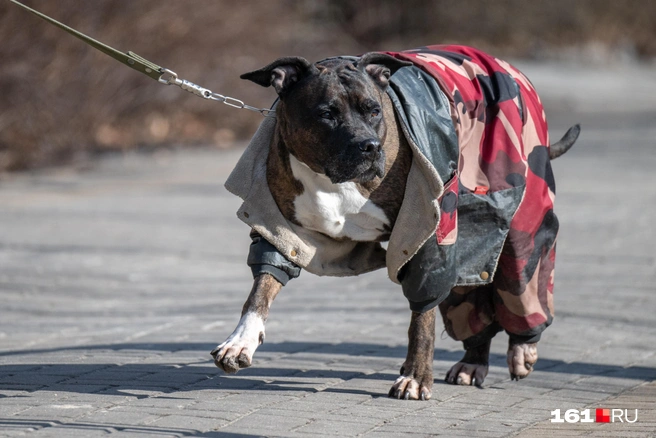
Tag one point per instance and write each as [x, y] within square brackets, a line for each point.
[364, 172]
[377, 169]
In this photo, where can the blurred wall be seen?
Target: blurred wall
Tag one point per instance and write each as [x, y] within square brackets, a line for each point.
[61, 100]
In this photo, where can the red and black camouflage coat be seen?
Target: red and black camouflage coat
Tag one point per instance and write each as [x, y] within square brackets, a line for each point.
[491, 264]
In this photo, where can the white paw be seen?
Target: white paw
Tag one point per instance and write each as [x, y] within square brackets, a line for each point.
[237, 351]
[521, 358]
[409, 388]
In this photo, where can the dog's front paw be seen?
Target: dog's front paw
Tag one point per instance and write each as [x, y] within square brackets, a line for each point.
[237, 351]
[521, 358]
[413, 385]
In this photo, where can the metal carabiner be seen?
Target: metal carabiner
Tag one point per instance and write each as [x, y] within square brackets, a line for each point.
[172, 78]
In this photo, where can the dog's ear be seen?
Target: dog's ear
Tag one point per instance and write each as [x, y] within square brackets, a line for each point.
[380, 67]
[281, 73]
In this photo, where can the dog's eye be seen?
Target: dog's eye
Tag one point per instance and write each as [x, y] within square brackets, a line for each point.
[326, 115]
[375, 113]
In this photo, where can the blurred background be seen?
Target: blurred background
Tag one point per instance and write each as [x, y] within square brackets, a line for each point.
[62, 102]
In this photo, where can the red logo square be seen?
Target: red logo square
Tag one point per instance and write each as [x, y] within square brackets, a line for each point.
[603, 415]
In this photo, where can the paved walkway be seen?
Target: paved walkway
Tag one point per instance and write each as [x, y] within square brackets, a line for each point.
[116, 282]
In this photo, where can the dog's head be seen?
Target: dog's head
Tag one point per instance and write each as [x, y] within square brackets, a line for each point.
[330, 114]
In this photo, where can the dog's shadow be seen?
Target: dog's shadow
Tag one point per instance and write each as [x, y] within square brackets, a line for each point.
[190, 371]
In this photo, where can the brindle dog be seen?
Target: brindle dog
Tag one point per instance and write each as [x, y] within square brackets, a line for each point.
[337, 133]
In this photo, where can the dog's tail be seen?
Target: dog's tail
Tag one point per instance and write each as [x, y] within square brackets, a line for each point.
[561, 146]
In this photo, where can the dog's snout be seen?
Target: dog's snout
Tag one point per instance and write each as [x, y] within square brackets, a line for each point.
[370, 146]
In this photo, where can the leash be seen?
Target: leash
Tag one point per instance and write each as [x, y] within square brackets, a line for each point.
[150, 69]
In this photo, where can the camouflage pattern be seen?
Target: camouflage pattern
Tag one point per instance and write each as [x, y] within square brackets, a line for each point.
[447, 230]
[503, 144]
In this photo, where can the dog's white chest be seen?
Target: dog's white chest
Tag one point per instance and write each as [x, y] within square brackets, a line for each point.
[337, 210]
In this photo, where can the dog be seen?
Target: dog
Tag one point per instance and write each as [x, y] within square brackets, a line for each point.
[443, 151]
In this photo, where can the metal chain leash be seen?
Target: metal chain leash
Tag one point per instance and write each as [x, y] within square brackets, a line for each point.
[171, 78]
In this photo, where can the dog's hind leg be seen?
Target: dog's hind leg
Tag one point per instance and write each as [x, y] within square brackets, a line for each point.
[237, 351]
[416, 380]
[468, 315]
[472, 368]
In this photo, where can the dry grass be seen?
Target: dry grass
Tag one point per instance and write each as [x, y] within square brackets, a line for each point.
[61, 100]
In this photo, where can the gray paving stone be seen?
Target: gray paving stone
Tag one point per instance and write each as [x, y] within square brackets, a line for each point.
[120, 416]
[194, 423]
[258, 424]
[395, 433]
[70, 431]
[339, 426]
[8, 410]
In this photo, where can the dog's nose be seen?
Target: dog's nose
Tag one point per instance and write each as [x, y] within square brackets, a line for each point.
[369, 147]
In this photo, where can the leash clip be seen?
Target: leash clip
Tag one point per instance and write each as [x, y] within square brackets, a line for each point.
[171, 79]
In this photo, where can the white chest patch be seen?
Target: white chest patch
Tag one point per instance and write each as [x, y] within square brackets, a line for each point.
[337, 210]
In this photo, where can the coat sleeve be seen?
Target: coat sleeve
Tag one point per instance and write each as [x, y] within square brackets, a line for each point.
[264, 258]
[429, 276]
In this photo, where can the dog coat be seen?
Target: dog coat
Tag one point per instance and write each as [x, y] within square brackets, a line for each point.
[476, 231]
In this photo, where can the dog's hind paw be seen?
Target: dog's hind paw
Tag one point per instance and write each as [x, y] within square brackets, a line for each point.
[521, 358]
[472, 368]
[409, 388]
[467, 374]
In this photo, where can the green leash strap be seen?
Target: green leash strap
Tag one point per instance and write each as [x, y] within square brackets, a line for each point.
[130, 59]
[150, 69]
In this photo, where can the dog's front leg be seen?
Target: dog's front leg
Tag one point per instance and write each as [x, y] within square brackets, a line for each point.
[416, 380]
[237, 351]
